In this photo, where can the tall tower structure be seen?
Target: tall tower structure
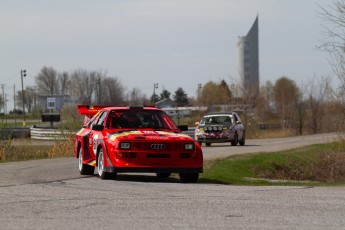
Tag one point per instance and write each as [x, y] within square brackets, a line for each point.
[248, 62]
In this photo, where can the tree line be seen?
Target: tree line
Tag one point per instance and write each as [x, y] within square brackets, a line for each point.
[88, 87]
[304, 108]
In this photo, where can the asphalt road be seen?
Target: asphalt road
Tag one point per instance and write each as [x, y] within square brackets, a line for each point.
[50, 194]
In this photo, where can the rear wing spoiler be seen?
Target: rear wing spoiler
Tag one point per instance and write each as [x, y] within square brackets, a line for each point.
[89, 111]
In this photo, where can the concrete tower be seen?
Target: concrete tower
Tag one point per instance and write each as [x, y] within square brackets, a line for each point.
[248, 62]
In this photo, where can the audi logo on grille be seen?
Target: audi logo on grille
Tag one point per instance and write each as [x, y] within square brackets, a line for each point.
[157, 146]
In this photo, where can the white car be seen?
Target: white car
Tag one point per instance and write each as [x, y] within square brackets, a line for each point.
[220, 127]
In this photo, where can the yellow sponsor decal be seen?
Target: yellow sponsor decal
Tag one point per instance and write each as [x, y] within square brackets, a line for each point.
[124, 134]
[173, 134]
[167, 134]
[92, 163]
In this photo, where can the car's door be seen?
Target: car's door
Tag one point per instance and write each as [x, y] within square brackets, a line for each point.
[96, 135]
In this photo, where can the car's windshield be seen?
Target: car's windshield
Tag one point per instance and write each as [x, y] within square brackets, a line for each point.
[211, 120]
[139, 119]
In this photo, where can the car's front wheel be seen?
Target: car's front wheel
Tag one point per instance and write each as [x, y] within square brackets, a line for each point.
[189, 177]
[84, 169]
[101, 169]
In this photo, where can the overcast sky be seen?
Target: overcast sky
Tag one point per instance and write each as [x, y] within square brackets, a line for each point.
[175, 43]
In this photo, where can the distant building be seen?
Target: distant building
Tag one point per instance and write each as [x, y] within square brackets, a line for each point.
[165, 103]
[248, 62]
[52, 102]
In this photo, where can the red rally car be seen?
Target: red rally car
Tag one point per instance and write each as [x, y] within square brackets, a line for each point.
[135, 139]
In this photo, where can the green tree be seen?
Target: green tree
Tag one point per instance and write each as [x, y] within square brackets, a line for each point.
[165, 94]
[180, 97]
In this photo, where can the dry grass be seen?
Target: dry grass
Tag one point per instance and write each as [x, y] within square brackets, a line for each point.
[323, 163]
[62, 148]
[27, 151]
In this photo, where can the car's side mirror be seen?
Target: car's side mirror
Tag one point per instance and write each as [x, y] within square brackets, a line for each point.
[97, 127]
[238, 122]
[183, 127]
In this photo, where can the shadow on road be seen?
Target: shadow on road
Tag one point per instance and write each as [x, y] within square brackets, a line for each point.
[227, 146]
[154, 179]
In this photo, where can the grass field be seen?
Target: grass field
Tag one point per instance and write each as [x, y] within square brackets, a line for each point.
[322, 164]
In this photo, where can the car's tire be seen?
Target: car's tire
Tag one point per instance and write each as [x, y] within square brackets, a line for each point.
[84, 169]
[189, 177]
[242, 141]
[234, 141]
[208, 144]
[104, 175]
[163, 175]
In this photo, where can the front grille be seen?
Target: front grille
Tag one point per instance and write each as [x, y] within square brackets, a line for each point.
[152, 146]
[156, 146]
[158, 155]
[184, 155]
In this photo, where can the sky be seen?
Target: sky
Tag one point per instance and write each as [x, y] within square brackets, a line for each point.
[179, 43]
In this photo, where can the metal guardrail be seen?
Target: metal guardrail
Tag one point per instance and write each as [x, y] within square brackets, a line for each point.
[49, 134]
[6, 133]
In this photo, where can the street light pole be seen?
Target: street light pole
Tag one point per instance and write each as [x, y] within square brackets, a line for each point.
[23, 74]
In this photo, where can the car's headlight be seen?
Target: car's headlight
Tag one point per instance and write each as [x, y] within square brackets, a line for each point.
[189, 146]
[125, 145]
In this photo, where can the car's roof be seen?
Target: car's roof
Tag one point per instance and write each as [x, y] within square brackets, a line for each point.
[219, 113]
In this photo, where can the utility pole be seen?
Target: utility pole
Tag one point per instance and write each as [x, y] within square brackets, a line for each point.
[5, 108]
[155, 86]
[99, 90]
[3, 100]
[14, 105]
[23, 74]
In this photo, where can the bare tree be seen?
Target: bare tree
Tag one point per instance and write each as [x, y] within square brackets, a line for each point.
[300, 111]
[29, 98]
[64, 81]
[83, 86]
[136, 98]
[334, 43]
[285, 94]
[47, 81]
[316, 94]
[112, 91]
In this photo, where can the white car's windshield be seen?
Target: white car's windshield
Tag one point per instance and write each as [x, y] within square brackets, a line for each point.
[212, 120]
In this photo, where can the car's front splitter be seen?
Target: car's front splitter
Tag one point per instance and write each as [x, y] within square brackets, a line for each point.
[153, 170]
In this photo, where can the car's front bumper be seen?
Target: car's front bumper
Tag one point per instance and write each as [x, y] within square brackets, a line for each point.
[153, 170]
